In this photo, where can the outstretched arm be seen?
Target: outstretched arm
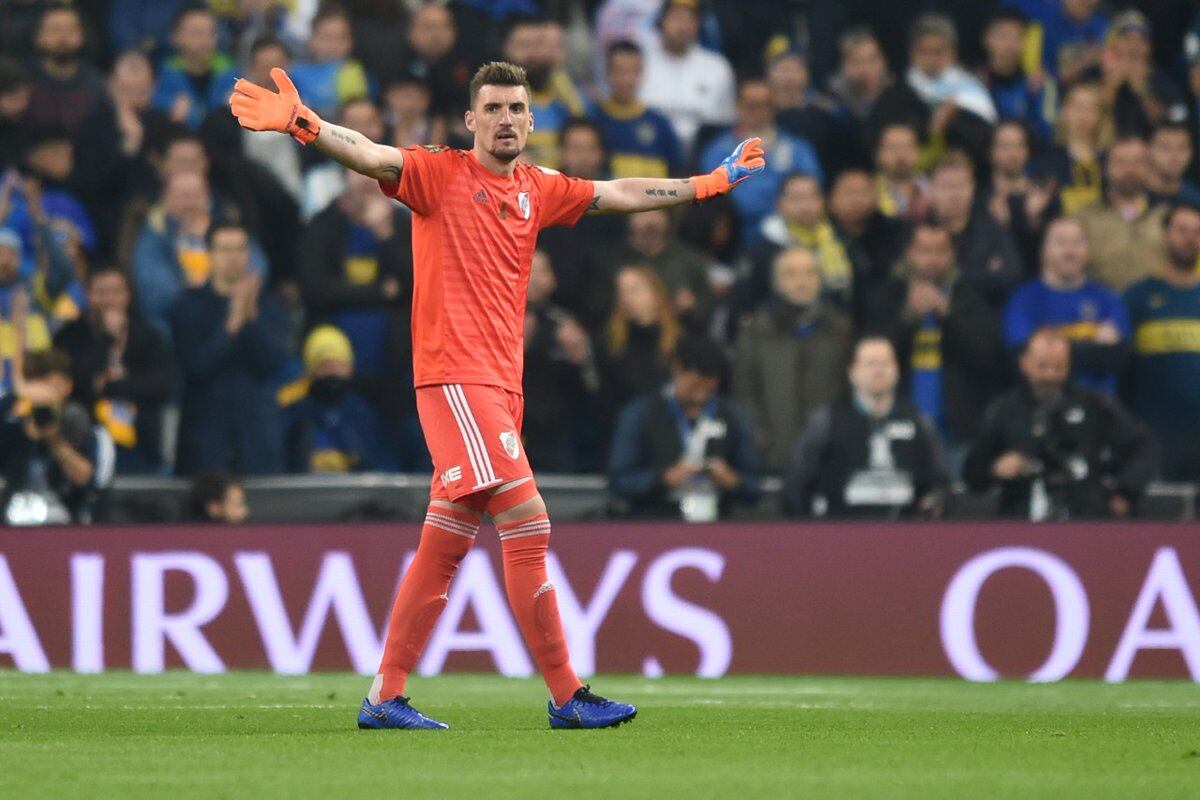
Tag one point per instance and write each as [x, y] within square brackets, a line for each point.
[260, 109]
[629, 195]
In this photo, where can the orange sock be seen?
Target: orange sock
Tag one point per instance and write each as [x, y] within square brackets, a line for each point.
[445, 540]
[534, 603]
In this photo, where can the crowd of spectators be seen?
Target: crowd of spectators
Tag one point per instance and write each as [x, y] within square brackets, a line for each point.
[973, 257]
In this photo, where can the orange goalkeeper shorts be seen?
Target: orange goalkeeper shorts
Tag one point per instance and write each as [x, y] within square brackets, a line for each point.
[474, 436]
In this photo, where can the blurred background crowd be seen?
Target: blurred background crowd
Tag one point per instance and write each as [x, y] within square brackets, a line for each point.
[971, 264]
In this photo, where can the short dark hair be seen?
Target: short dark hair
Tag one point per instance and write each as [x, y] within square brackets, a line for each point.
[186, 12]
[40, 135]
[183, 135]
[853, 37]
[1006, 15]
[701, 355]
[263, 42]
[868, 337]
[328, 11]
[499, 73]
[791, 178]
[523, 21]
[953, 159]
[926, 225]
[225, 225]
[581, 123]
[1172, 127]
[1175, 209]
[847, 172]
[897, 126]
[106, 269]
[46, 363]
[1013, 123]
[207, 487]
[624, 46]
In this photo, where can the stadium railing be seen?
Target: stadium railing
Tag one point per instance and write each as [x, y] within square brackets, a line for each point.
[403, 497]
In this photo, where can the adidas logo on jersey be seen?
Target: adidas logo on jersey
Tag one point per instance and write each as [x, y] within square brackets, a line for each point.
[451, 475]
[480, 196]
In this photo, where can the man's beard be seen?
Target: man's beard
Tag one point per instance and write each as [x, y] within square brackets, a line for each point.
[1127, 188]
[62, 58]
[504, 156]
[1184, 261]
[538, 75]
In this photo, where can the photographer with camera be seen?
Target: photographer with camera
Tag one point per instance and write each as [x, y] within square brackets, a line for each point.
[685, 451]
[1058, 450]
[871, 454]
[57, 465]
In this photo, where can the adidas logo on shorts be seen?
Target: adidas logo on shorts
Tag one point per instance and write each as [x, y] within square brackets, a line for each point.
[451, 475]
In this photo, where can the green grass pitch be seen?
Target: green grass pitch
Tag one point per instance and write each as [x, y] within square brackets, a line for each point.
[255, 735]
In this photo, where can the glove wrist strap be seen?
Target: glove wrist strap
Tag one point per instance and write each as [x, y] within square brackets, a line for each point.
[710, 185]
[304, 125]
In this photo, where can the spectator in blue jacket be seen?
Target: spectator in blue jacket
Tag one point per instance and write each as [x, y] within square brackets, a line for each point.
[171, 254]
[328, 426]
[230, 340]
[1031, 98]
[198, 78]
[786, 154]
[1089, 314]
[685, 450]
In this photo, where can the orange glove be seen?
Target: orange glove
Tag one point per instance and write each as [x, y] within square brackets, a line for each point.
[746, 160]
[261, 109]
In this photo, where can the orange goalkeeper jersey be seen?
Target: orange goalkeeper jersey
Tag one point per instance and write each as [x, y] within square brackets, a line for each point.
[474, 234]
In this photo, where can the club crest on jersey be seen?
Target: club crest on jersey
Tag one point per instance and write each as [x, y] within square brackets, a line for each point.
[511, 444]
[523, 204]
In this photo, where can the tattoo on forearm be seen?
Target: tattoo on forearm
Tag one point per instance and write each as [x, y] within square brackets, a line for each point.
[662, 193]
[341, 137]
[595, 204]
[390, 173]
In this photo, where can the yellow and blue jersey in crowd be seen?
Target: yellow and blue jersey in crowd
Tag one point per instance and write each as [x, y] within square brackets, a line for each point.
[1076, 313]
[1165, 389]
[925, 375]
[36, 335]
[1053, 39]
[1016, 98]
[1080, 183]
[327, 85]
[551, 108]
[340, 435]
[640, 142]
[366, 328]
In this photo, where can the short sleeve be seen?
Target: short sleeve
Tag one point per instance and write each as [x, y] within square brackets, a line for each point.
[426, 170]
[563, 199]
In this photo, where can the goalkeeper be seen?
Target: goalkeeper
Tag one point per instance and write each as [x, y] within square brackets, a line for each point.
[476, 216]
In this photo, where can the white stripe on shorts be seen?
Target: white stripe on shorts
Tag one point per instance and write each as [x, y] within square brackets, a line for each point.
[481, 463]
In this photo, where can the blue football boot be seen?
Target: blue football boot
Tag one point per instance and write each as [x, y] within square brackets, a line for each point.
[587, 710]
[395, 713]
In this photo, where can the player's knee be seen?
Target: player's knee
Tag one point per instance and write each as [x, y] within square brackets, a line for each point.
[515, 500]
[472, 505]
